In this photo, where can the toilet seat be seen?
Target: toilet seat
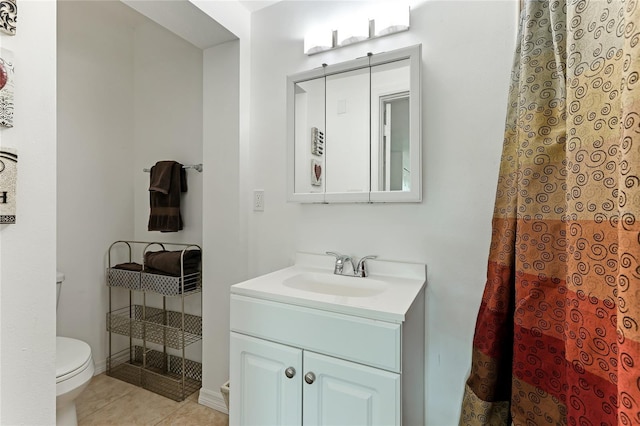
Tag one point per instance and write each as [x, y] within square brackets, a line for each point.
[72, 358]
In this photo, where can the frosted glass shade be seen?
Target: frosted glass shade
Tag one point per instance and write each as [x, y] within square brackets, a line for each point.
[353, 30]
[391, 19]
[318, 40]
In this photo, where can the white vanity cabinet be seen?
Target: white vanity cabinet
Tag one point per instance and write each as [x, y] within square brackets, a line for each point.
[282, 385]
[348, 393]
[300, 365]
[259, 371]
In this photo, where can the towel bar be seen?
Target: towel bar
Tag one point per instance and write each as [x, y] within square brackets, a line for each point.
[198, 167]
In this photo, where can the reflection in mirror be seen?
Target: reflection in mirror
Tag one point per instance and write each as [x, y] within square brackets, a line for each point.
[347, 118]
[390, 125]
[309, 136]
[394, 168]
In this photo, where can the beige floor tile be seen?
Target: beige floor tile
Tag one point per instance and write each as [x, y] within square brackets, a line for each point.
[193, 397]
[109, 401]
[138, 407]
[102, 390]
[192, 413]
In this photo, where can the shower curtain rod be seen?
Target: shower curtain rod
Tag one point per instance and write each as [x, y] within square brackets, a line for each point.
[198, 167]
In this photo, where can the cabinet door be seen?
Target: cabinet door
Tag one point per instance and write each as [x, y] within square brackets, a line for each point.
[261, 393]
[349, 394]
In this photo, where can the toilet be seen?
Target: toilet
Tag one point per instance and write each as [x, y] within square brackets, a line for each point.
[74, 370]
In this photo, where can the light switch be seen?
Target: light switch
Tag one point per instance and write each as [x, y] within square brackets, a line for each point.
[342, 106]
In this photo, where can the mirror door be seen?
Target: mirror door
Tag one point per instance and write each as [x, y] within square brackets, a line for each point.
[348, 140]
[309, 112]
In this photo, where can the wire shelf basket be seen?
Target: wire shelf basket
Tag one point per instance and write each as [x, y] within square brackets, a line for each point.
[123, 278]
[166, 285]
[157, 326]
[126, 321]
[169, 285]
[161, 373]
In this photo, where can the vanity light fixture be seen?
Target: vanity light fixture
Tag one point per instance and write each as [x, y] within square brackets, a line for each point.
[388, 18]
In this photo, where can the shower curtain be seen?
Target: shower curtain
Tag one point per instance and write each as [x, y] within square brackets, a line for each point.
[557, 339]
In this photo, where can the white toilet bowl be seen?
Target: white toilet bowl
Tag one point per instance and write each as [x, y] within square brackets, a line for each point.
[74, 370]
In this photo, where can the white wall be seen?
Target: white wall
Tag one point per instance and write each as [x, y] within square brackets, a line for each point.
[227, 99]
[466, 66]
[27, 250]
[95, 161]
[130, 94]
[167, 83]
[167, 87]
[224, 255]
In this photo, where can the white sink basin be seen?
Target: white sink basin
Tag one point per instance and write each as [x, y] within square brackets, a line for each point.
[386, 294]
[336, 285]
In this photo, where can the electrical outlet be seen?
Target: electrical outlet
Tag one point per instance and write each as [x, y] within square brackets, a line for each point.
[258, 200]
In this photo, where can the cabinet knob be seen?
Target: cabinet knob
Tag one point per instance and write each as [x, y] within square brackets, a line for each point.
[310, 377]
[290, 372]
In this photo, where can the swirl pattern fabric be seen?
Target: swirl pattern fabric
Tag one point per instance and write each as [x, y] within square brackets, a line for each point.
[557, 339]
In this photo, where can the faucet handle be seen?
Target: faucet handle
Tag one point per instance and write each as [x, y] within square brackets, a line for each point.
[333, 253]
[361, 269]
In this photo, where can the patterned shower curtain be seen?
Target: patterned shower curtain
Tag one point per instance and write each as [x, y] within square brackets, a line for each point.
[557, 338]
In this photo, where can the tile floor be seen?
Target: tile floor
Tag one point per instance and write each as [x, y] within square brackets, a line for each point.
[109, 401]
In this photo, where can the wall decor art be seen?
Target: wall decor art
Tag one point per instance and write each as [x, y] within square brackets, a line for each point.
[317, 141]
[6, 88]
[8, 16]
[8, 179]
[316, 172]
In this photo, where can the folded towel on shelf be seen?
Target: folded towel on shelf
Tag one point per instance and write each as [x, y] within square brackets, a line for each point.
[129, 266]
[169, 262]
[167, 181]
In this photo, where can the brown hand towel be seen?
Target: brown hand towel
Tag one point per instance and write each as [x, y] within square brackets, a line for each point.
[165, 214]
[129, 266]
[169, 261]
[160, 177]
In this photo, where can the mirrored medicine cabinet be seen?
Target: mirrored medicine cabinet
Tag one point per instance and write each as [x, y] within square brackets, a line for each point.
[354, 130]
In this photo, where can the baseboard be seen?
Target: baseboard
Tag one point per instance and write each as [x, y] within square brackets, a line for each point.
[101, 367]
[212, 399]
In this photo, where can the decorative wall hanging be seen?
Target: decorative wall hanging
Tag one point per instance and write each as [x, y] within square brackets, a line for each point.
[8, 16]
[317, 141]
[8, 178]
[6, 88]
[316, 173]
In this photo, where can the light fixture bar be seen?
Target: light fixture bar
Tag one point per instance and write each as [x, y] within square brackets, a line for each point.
[388, 19]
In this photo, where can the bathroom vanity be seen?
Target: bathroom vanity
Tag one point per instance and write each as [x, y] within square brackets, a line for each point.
[309, 347]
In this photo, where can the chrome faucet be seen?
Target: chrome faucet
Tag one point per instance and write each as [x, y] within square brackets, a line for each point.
[357, 271]
[340, 260]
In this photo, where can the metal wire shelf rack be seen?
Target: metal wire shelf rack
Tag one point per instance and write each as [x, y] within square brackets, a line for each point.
[170, 375]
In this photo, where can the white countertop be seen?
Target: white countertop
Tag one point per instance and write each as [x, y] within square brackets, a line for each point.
[403, 280]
